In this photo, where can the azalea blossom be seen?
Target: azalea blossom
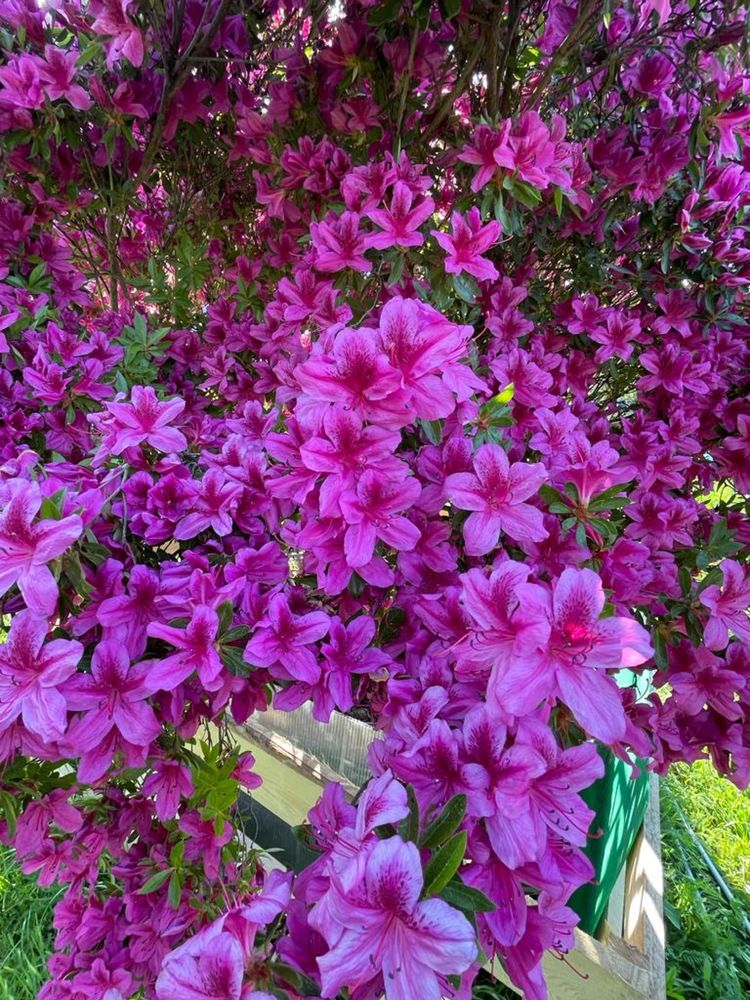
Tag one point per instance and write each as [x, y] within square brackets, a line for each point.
[32, 676]
[378, 927]
[466, 243]
[728, 606]
[26, 548]
[495, 494]
[145, 419]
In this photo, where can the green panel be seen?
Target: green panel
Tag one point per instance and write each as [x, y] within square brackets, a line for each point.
[619, 802]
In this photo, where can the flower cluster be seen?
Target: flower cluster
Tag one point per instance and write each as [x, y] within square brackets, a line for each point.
[364, 357]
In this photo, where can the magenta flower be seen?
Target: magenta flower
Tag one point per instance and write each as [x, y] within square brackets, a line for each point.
[208, 966]
[347, 653]
[57, 73]
[197, 652]
[348, 448]
[729, 607]
[25, 548]
[535, 153]
[495, 494]
[426, 349]
[112, 19]
[113, 696]
[204, 841]
[357, 374]
[145, 419]
[34, 822]
[466, 243]
[400, 222]
[379, 926]
[282, 639]
[482, 153]
[673, 370]
[373, 511]
[581, 645]
[131, 613]
[707, 682]
[169, 783]
[216, 501]
[31, 674]
[509, 612]
[340, 244]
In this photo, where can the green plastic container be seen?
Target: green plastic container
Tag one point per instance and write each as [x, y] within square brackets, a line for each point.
[620, 803]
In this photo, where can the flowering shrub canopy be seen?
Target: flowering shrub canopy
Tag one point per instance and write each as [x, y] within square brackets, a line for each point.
[389, 355]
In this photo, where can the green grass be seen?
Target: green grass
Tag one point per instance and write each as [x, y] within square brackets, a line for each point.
[708, 947]
[25, 931]
[720, 815]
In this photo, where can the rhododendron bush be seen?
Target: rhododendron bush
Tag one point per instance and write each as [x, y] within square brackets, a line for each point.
[391, 357]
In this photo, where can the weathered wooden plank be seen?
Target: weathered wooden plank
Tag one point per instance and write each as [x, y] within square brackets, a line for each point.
[643, 924]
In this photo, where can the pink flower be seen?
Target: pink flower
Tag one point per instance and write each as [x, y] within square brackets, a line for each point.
[348, 448]
[170, 782]
[57, 73]
[707, 682]
[347, 653]
[535, 153]
[495, 495]
[112, 19]
[509, 614]
[216, 501]
[114, 696]
[379, 926]
[282, 639]
[204, 842]
[31, 674]
[357, 373]
[25, 548]
[482, 153]
[466, 243]
[208, 966]
[427, 349]
[339, 244]
[145, 419]
[581, 645]
[729, 607]
[400, 222]
[197, 645]
[373, 511]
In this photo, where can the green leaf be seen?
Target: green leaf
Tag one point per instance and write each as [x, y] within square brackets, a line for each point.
[506, 395]
[174, 892]
[552, 496]
[384, 13]
[666, 252]
[409, 827]
[225, 612]
[88, 53]
[465, 288]
[177, 854]
[444, 864]
[466, 897]
[686, 580]
[397, 270]
[155, 882]
[526, 193]
[660, 650]
[449, 819]
[432, 430]
[558, 196]
[449, 8]
[235, 661]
